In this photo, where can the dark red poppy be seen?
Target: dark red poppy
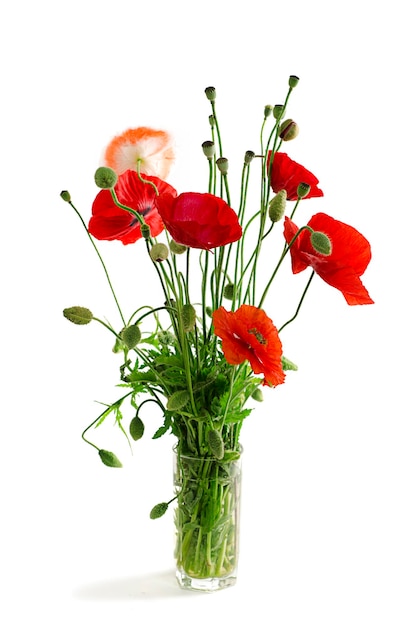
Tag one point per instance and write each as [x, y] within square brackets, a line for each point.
[342, 268]
[110, 222]
[249, 334]
[199, 220]
[287, 174]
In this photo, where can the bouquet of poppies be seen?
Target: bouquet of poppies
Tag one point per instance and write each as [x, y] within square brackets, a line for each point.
[204, 353]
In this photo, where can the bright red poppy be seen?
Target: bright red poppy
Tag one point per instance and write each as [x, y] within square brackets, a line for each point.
[199, 220]
[287, 174]
[249, 334]
[110, 222]
[342, 268]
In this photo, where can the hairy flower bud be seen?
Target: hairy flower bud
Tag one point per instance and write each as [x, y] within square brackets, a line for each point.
[188, 317]
[229, 291]
[210, 93]
[131, 336]
[136, 428]
[223, 165]
[177, 248]
[78, 315]
[288, 130]
[277, 206]
[321, 243]
[105, 177]
[249, 156]
[293, 81]
[208, 148]
[159, 252]
[258, 395]
[216, 444]
[158, 510]
[303, 190]
[66, 196]
[109, 458]
[178, 400]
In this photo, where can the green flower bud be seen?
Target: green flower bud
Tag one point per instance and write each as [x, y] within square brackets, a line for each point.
[166, 338]
[277, 111]
[159, 252]
[105, 178]
[78, 315]
[209, 311]
[208, 148]
[109, 458]
[66, 196]
[277, 206]
[178, 400]
[159, 510]
[321, 243]
[210, 93]
[229, 291]
[289, 130]
[177, 248]
[258, 395]
[249, 156]
[268, 110]
[131, 336]
[188, 317]
[212, 120]
[223, 165]
[293, 81]
[288, 365]
[145, 231]
[216, 444]
[136, 428]
[303, 190]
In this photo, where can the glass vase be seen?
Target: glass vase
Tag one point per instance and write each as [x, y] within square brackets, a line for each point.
[207, 521]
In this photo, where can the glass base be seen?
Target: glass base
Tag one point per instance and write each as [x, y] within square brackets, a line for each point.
[204, 584]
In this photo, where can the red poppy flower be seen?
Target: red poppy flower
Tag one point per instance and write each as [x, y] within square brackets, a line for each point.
[287, 174]
[342, 268]
[199, 220]
[153, 148]
[249, 334]
[110, 222]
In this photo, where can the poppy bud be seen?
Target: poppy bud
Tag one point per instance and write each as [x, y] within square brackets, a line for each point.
[210, 93]
[78, 315]
[145, 231]
[223, 165]
[249, 155]
[216, 444]
[289, 130]
[258, 395]
[131, 336]
[277, 206]
[178, 400]
[188, 317]
[66, 196]
[158, 510]
[109, 458]
[293, 81]
[268, 110]
[159, 252]
[212, 121]
[209, 311]
[208, 148]
[177, 248]
[105, 177]
[136, 428]
[303, 190]
[320, 242]
[277, 111]
[229, 291]
[166, 338]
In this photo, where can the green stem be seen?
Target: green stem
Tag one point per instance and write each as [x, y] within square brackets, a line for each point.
[299, 304]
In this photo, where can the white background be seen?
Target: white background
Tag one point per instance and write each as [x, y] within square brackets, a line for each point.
[328, 500]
